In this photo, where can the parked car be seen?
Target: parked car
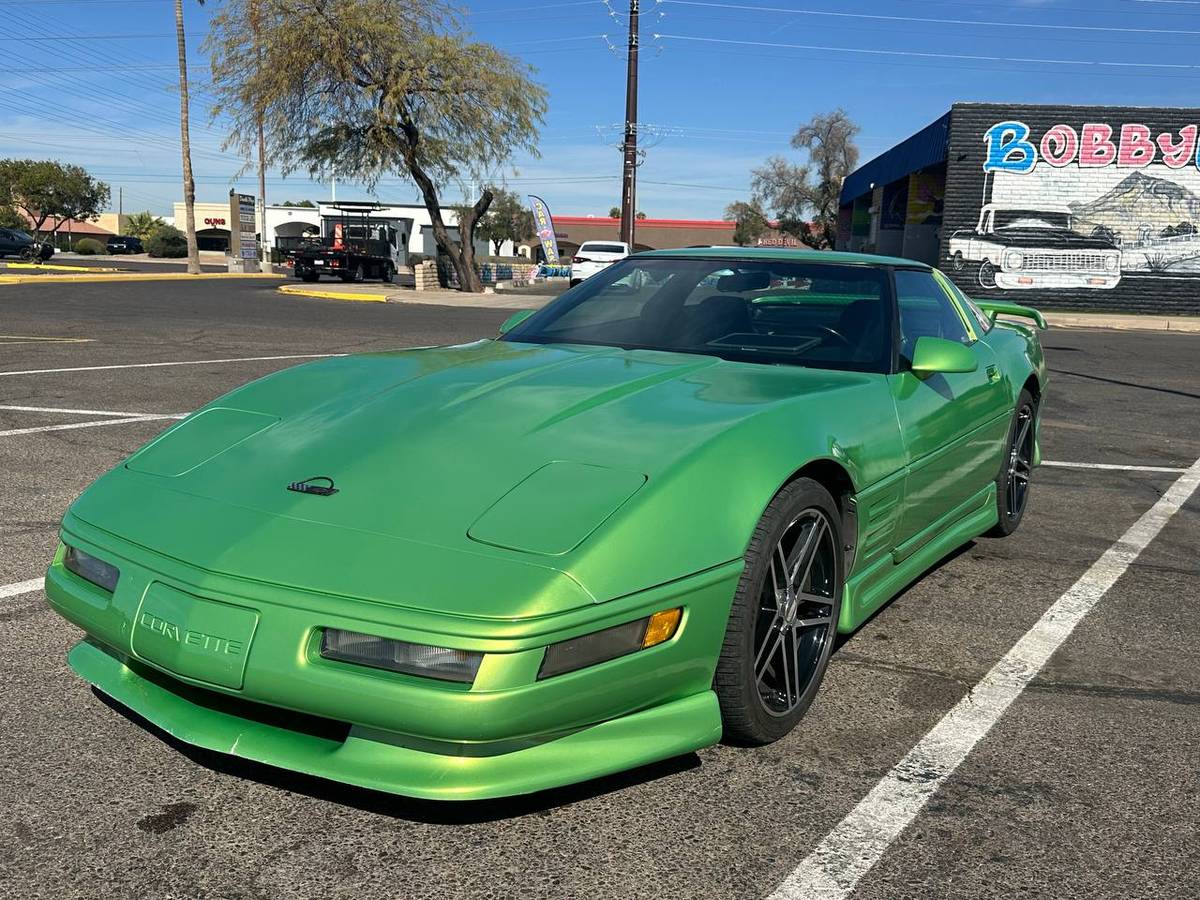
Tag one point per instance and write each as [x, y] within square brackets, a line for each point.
[124, 243]
[595, 256]
[14, 242]
[636, 520]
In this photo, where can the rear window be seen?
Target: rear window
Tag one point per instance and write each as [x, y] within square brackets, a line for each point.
[601, 248]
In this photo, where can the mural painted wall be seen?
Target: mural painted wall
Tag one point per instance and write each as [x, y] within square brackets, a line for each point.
[1093, 207]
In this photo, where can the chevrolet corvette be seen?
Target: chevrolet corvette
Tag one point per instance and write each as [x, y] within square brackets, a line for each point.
[631, 525]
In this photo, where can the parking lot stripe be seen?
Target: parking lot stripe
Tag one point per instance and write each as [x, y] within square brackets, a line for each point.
[190, 362]
[1175, 470]
[835, 866]
[70, 425]
[73, 412]
[21, 587]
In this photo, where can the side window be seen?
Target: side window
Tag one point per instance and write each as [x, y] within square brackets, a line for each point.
[925, 311]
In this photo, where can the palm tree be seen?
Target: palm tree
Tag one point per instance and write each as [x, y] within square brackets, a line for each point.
[189, 183]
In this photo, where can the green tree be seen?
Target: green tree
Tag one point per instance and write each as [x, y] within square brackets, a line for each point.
[46, 190]
[189, 182]
[374, 87]
[615, 212]
[143, 224]
[507, 219]
[307, 204]
[10, 218]
[804, 196]
[750, 222]
[639, 215]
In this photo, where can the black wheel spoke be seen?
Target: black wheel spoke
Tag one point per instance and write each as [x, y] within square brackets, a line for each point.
[796, 621]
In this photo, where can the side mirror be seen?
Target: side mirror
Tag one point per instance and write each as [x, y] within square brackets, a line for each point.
[515, 319]
[932, 355]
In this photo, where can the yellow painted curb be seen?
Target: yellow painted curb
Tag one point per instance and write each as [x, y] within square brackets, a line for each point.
[130, 276]
[331, 295]
[57, 268]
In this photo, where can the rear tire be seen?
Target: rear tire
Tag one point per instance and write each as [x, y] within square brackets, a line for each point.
[783, 620]
[388, 273]
[1012, 484]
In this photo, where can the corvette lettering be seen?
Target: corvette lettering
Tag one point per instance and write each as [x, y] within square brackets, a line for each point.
[198, 639]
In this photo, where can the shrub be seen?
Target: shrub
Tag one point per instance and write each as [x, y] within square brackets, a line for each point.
[168, 242]
[89, 247]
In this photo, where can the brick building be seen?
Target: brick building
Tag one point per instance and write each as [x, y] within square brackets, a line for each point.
[1094, 207]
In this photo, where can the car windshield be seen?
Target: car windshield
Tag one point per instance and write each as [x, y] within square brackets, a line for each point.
[1020, 218]
[765, 311]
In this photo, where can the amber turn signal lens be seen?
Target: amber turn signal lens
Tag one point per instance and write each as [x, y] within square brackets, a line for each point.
[662, 626]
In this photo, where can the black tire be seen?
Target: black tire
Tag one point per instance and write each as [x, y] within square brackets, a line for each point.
[359, 274]
[958, 261]
[755, 711]
[575, 281]
[308, 275]
[388, 273]
[1016, 470]
[987, 274]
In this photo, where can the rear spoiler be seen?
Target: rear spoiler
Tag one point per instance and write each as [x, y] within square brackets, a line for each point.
[1000, 307]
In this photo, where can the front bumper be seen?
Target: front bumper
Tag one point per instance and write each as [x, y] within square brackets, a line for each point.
[1013, 280]
[506, 733]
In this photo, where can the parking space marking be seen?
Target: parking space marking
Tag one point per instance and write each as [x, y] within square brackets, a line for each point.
[1174, 470]
[71, 425]
[835, 866]
[21, 587]
[189, 362]
[73, 412]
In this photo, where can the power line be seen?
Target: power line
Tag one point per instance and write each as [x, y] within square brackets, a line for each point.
[925, 20]
[933, 55]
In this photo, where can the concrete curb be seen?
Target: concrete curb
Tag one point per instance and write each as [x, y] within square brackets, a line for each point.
[52, 267]
[1116, 321]
[296, 291]
[130, 276]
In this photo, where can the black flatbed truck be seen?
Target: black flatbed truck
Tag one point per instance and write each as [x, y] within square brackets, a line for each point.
[353, 248]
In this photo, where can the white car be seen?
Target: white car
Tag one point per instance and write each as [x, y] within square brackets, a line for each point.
[592, 256]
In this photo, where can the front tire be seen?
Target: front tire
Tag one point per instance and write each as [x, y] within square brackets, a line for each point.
[783, 620]
[1012, 484]
[987, 274]
[958, 261]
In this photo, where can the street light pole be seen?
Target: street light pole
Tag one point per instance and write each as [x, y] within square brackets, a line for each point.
[629, 147]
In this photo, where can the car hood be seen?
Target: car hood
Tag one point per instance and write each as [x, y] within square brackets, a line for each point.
[490, 454]
[1051, 239]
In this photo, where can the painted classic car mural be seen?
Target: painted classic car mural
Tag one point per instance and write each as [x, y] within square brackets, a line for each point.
[1084, 207]
[1023, 248]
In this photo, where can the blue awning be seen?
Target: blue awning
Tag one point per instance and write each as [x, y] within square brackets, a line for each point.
[927, 147]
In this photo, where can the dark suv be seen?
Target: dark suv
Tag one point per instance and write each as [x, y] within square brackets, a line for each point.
[14, 242]
[120, 243]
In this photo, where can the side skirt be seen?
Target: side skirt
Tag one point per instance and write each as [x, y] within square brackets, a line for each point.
[872, 588]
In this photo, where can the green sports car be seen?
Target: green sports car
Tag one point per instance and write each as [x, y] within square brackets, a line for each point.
[627, 527]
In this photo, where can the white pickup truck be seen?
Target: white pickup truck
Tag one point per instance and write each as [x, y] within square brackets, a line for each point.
[1018, 248]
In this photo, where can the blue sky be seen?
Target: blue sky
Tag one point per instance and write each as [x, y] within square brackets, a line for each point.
[723, 85]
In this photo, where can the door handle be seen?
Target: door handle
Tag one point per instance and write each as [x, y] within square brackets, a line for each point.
[993, 373]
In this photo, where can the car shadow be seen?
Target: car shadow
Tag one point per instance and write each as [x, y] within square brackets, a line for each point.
[843, 639]
[433, 812]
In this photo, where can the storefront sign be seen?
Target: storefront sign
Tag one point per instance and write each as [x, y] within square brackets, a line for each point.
[242, 239]
[1011, 147]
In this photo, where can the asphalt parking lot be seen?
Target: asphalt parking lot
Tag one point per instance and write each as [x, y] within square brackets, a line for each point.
[1086, 786]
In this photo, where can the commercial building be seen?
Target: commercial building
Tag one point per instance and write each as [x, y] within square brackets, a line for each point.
[1094, 207]
[650, 234]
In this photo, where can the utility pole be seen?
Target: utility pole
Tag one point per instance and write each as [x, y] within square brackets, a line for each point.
[262, 152]
[629, 148]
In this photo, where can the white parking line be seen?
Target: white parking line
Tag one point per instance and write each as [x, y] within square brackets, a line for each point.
[835, 866]
[190, 362]
[73, 412]
[21, 587]
[1108, 466]
[71, 425]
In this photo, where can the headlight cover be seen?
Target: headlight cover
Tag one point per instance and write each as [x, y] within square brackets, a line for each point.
[1013, 259]
[610, 643]
[89, 568]
[422, 660]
